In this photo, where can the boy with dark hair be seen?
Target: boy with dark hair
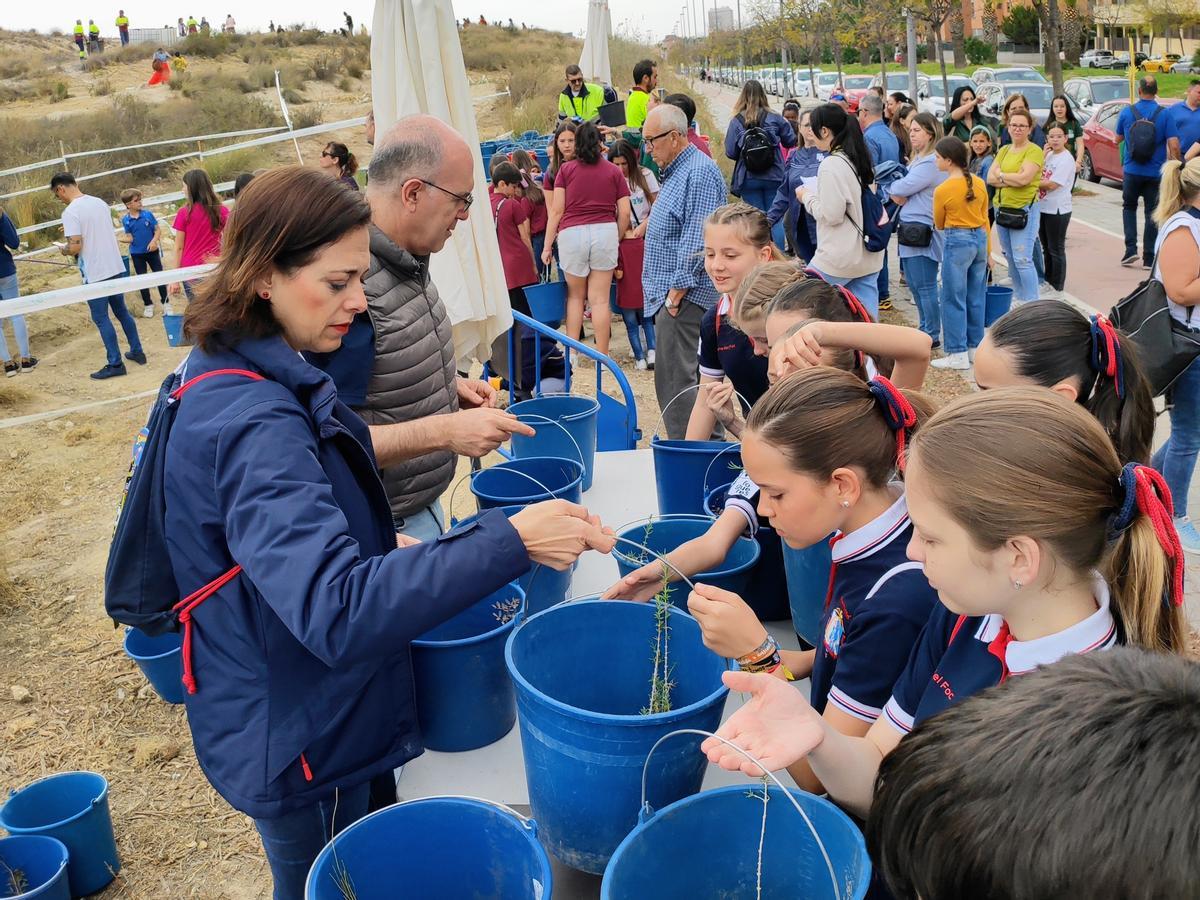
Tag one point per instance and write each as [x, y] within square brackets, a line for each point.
[142, 234]
[688, 106]
[1075, 780]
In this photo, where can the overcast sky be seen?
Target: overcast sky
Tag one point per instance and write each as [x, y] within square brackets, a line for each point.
[656, 20]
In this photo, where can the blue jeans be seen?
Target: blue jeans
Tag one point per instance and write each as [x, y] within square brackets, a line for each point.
[424, 525]
[921, 272]
[10, 290]
[1176, 459]
[760, 193]
[964, 288]
[1144, 188]
[99, 309]
[293, 840]
[1018, 250]
[885, 290]
[634, 320]
[864, 287]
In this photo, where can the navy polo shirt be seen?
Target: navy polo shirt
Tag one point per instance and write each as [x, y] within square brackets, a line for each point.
[878, 604]
[957, 656]
[767, 591]
[1185, 125]
[726, 352]
[141, 230]
[350, 366]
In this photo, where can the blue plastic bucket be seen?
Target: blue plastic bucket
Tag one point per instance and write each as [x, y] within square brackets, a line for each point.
[174, 328]
[583, 736]
[685, 471]
[575, 414]
[160, 659]
[465, 698]
[506, 484]
[543, 586]
[707, 845]
[808, 582]
[32, 865]
[998, 301]
[72, 807]
[437, 847]
[667, 532]
[547, 302]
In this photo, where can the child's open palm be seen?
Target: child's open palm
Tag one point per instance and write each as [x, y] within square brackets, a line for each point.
[777, 726]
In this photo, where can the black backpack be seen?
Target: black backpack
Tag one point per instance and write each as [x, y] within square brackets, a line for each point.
[1143, 136]
[758, 150]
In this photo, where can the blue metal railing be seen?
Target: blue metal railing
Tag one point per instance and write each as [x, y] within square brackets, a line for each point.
[617, 427]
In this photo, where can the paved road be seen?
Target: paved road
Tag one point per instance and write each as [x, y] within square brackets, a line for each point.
[1095, 279]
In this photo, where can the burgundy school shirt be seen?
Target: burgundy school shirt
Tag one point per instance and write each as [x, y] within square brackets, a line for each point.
[518, 261]
[592, 192]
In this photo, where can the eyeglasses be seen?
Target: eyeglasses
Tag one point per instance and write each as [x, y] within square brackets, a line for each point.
[575, 81]
[465, 199]
[649, 141]
[327, 153]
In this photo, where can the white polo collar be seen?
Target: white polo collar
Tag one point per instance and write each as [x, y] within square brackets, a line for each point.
[1097, 631]
[879, 532]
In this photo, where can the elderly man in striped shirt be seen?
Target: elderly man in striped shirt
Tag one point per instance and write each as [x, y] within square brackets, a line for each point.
[673, 276]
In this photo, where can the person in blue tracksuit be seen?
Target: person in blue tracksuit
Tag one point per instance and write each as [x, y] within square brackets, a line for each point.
[303, 679]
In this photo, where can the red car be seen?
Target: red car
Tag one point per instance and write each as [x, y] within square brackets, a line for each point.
[1102, 144]
[854, 86]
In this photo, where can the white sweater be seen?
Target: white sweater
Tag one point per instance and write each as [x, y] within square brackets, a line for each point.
[837, 207]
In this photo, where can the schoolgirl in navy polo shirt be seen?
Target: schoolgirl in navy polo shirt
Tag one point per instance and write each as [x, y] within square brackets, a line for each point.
[1040, 545]
[1051, 344]
[823, 445]
[737, 238]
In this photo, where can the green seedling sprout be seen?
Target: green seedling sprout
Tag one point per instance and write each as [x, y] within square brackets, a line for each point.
[660, 678]
[18, 884]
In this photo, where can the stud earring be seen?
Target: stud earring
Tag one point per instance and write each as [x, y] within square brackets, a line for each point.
[845, 504]
[1016, 585]
[266, 295]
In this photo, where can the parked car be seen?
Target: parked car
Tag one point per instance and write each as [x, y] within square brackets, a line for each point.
[1184, 67]
[1038, 95]
[1094, 91]
[1096, 59]
[933, 97]
[1160, 64]
[896, 81]
[1102, 144]
[1012, 73]
[826, 82]
[1121, 60]
[856, 86]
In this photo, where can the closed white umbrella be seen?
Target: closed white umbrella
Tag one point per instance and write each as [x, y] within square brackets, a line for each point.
[417, 67]
[594, 59]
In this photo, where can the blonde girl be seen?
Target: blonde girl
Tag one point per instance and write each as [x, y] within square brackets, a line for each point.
[1040, 545]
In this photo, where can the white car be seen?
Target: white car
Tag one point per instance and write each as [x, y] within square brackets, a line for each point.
[1096, 59]
[931, 95]
[826, 82]
[1038, 94]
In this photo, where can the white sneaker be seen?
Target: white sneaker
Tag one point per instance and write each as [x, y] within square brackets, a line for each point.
[971, 355]
[147, 312]
[167, 311]
[650, 358]
[958, 361]
[640, 365]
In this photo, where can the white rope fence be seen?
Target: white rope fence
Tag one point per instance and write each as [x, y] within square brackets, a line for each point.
[82, 292]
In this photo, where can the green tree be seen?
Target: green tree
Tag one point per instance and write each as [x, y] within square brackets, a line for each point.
[1021, 26]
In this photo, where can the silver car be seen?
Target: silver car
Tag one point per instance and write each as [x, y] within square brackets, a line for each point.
[1092, 93]
[1038, 94]
[1014, 73]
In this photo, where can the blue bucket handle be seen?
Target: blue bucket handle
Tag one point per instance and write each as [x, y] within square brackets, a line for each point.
[718, 455]
[691, 387]
[647, 812]
[561, 426]
[471, 475]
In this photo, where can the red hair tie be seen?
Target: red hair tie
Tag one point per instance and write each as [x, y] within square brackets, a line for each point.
[897, 412]
[1106, 353]
[1152, 498]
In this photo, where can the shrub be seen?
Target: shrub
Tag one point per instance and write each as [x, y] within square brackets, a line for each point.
[978, 51]
[292, 96]
[308, 116]
[346, 85]
[226, 166]
[262, 75]
[101, 87]
[851, 56]
[1196, 60]
[60, 92]
[354, 70]
[325, 67]
[211, 45]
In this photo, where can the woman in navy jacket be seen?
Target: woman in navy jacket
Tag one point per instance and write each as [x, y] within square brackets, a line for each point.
[301, 661]
[757, 188]
[802, 164]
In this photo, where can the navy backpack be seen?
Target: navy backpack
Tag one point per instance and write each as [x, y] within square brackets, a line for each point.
[139, 584]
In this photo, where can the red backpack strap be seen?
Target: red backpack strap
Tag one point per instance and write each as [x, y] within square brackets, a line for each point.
[183, 388]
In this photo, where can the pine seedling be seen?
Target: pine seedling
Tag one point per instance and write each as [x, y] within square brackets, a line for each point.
[505, 610]
[17, 883]
[660, 678]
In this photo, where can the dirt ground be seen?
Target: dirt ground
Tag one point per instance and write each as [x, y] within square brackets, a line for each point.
[69, 697]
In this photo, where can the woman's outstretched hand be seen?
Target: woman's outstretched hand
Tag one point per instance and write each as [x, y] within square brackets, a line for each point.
[640, 584]
[776, 726]
[556, 533]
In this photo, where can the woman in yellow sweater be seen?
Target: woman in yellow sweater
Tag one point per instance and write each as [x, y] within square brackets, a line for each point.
[960, 212]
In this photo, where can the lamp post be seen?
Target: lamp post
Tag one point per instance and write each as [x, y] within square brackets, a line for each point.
[741, 44]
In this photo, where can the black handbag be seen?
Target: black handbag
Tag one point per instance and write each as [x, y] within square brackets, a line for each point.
[1014, 217]
[1165, 345]
[914, 234]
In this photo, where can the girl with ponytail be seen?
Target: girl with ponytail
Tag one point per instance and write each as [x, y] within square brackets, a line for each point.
[1040, 543]
[1177, 266]
[1085, 359]
[823, 451]
[960, 214]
